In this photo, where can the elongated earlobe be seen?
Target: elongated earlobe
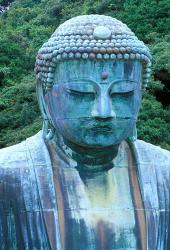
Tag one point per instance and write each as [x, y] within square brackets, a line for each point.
[47, 124]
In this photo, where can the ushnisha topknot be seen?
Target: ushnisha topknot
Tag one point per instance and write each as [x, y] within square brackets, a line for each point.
[94, 37]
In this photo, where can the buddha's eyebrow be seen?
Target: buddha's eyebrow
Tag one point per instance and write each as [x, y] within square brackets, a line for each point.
[98, 84]
[91, 80]
[79, 79]
[124, 80]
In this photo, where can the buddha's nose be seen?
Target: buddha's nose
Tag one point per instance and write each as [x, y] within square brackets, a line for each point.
[103, 107]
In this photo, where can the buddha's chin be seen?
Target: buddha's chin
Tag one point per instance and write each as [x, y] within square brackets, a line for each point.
[99, 142]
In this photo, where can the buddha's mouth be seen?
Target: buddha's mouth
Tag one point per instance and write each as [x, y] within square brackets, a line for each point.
[102, 128]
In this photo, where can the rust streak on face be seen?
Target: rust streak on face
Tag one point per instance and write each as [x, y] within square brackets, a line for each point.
[55, 93]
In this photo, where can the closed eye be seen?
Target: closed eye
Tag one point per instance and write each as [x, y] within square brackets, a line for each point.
[79, 88]
[76, 92]
[127, 93]
[122, 86]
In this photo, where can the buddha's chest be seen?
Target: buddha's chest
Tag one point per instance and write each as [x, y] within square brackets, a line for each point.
[97, 213]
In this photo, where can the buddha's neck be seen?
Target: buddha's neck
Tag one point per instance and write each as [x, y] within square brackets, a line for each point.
[89, 159]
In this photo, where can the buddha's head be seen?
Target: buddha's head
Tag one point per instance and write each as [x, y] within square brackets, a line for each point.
[89, 79]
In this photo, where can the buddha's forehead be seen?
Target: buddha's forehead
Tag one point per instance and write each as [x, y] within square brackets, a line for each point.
[87, 69]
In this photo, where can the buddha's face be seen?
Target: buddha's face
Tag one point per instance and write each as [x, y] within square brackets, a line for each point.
[95, 104]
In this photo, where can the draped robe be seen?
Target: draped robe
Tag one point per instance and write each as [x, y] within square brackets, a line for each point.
[29, 216]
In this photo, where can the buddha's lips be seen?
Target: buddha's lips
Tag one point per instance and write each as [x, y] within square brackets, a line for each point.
[101, 128]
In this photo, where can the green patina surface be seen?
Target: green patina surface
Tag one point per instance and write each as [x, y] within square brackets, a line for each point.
[87, 183]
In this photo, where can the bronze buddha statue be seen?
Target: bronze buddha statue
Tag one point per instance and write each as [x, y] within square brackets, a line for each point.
[85, 182]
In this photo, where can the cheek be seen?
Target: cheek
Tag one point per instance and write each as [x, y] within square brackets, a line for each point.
[57, 103]
[72, 129]
[67, 111]
[75, 106]
[126, 106]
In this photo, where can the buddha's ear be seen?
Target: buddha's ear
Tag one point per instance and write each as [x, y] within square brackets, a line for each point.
[47, 124]
[133, 135]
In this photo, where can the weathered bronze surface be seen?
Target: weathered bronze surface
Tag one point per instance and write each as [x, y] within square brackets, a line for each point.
[85, 182]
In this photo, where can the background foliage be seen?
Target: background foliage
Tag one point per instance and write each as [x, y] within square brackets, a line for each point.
[27, 24]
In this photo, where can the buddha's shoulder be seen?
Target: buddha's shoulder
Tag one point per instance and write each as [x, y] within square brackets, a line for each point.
[147, 151]
[18, 155]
